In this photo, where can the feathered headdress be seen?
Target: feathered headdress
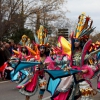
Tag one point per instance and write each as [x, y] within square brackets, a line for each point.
[41, 37]
[84, 27]
[83, 30]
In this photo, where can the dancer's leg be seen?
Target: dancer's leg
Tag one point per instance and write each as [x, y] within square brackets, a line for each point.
[41, 93]
[27, 97]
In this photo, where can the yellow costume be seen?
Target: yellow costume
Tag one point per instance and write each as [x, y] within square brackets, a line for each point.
[41, 33]
[24, 40]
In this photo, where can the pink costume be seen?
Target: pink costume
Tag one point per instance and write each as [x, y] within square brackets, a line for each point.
[80, 47]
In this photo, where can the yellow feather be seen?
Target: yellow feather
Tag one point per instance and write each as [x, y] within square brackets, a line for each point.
[80, 24]
[66, 46]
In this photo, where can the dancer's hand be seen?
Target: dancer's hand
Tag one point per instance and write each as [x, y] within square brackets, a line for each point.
[46, 63]
[84, 71]
[67, 68]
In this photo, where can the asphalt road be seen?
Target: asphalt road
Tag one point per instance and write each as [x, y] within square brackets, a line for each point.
[8, 91]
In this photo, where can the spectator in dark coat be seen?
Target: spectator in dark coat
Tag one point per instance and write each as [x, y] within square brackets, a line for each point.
[4, 55]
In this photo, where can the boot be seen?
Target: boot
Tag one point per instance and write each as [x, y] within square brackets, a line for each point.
[40, 97]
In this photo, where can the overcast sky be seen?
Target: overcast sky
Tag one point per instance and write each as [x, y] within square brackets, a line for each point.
[90, 7]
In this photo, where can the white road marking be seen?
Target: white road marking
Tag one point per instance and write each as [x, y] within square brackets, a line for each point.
[4, 82]
[46, 98]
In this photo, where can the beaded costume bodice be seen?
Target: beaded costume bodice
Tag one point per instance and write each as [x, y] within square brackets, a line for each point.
[77, 58]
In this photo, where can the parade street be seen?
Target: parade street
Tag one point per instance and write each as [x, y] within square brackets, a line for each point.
[8, 91]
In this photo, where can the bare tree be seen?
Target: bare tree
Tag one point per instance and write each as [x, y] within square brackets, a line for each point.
[49, 12]
[13, 14]
[95, 36]
[9, 10]
[17, 14]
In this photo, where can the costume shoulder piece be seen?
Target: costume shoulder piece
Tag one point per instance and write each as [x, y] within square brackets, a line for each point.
[85, 50]
[94, 48]
[65, 46]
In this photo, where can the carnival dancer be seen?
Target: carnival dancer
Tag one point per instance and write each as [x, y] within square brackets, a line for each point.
[41, 75]
[23, 41]
[80, 47]
[22, 51]
[58, 87]
[80, 44]
[38, 77]
[29, 43]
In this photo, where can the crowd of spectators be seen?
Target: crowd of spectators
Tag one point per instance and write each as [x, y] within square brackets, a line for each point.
[6, 51]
